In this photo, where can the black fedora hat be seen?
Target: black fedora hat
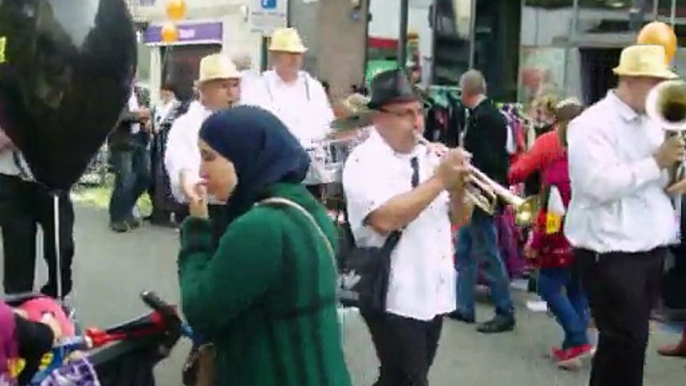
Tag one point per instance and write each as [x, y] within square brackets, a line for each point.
[391, 86]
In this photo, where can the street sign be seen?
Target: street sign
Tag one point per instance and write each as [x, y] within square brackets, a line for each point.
[268, 4]
[268, 15]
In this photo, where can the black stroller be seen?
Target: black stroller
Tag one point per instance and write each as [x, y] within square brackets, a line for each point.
[126, 354]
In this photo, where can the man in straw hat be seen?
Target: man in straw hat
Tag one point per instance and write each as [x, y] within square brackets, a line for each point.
[294, 96]
[218, 88]
[620, 219]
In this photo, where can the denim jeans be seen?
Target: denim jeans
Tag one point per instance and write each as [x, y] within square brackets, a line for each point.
[476, 242]
[132, 176]
[561, 288]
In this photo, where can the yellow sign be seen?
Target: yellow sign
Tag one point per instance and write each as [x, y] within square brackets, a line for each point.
[3, 44]
[553, 223]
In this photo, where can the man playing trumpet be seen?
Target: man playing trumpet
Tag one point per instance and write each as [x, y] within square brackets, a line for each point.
[393, 182]
[620, 218]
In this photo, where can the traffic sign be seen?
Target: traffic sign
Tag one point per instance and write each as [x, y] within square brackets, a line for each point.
[268, 15]
[268, 4]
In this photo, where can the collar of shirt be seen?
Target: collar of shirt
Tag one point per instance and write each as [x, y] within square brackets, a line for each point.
[624, 110]
[388, 151]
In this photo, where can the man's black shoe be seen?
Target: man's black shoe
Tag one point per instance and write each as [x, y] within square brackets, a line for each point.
[459, 316]
[497, 325]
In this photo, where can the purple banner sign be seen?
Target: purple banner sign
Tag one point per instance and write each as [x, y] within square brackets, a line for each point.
[188, 33]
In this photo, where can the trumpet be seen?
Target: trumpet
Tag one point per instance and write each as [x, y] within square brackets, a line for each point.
[483, 192]
[666, 103]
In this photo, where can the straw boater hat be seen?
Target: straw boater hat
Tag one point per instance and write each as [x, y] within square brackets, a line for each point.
[355, 113]
[644, 60]
[568, 109]
[287, 40]
[216, 66]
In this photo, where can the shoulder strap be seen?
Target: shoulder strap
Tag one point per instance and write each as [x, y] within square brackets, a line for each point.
[275, 201]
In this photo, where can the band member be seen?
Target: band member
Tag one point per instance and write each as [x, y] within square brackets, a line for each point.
[485, 139]
[24, 205]
[219, 88]
[620, 219]
[392, 183]
[293, 95]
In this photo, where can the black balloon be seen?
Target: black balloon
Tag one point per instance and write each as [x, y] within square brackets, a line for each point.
[66, 70]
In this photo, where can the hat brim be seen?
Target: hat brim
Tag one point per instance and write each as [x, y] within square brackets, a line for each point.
[664, 74]
[199, 82]
[374, 105]
[296, 50]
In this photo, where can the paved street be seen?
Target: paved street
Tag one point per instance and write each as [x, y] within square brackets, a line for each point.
[112, 269]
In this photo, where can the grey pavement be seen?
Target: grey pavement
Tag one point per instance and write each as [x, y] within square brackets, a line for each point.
[112, 269]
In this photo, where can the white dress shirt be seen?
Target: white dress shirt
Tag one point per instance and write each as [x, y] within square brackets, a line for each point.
[302, 105]
[618, 198]
[12, 163]
[422, 280]
[182, 153]
[133, 106]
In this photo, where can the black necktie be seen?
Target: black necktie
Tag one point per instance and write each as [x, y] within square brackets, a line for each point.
[414, 162]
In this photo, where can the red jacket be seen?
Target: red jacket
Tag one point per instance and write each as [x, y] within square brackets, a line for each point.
[548, 156]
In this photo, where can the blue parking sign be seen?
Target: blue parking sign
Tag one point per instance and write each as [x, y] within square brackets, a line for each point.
[268, 4]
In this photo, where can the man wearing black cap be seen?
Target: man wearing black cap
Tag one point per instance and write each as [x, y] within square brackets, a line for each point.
[395, 183]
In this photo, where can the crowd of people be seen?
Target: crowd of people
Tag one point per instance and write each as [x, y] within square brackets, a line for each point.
[240, 164]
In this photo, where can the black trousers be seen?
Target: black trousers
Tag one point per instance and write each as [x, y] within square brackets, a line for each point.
[622, 290]
[406, 348]
[23, 207]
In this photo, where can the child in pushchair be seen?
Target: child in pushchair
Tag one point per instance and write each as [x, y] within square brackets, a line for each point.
[125, 354]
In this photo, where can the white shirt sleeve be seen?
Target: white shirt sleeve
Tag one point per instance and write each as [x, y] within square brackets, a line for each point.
[366, 189]
[595, 170]
[182, 154]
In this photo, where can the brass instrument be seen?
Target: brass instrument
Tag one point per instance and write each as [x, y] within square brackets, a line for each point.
[483, 192]
[525, 214]
[666, 103]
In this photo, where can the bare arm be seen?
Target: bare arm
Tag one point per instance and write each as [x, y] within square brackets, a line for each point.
[402, 209]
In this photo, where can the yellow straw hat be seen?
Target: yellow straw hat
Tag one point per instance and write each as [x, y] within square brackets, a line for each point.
[644, 60]
[287, 40]
[217, 66]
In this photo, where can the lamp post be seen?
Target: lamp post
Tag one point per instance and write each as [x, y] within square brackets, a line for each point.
[636, 14]
[402, 39]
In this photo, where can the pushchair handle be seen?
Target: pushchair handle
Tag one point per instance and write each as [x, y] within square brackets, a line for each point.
[156, 303]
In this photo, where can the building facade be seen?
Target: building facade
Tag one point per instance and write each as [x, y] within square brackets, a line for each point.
[210, 26]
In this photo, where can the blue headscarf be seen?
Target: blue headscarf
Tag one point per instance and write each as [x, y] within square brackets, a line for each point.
[262, 150]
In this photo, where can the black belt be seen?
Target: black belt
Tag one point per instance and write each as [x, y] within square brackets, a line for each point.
[654, 251]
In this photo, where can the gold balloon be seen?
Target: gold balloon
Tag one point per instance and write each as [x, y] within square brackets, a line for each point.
[176, 9]
[661, 34]
[169, 33]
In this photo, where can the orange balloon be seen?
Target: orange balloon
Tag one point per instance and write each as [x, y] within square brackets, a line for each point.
[659, 33]
[176, 9]
[169, 33]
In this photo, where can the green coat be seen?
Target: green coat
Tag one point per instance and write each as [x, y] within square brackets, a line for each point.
[267, 297]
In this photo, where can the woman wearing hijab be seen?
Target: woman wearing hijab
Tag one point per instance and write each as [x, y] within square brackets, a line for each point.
[266, 297]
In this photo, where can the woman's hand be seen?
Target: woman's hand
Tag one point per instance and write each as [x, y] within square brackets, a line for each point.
[197, 201]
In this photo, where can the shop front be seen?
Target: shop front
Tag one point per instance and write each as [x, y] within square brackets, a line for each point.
[177, 63]
[570, 46]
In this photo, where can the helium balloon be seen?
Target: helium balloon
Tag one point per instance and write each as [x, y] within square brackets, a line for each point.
[170, 33]
[66, 73]
[176, 9]
[661, 34]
